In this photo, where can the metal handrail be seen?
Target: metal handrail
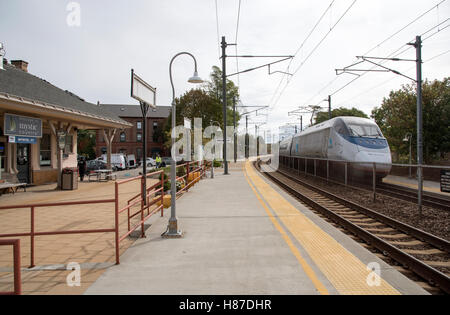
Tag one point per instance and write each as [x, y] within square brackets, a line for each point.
[17, 272]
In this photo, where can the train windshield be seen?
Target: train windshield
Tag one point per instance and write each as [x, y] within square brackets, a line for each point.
[365, 131]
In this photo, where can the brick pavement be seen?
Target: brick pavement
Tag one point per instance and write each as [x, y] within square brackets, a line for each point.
[51, 251]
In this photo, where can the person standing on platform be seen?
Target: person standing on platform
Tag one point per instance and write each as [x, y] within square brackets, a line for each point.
[82, 167]
[158, 161]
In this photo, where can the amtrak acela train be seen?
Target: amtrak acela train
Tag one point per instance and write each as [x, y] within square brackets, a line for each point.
[349, 139]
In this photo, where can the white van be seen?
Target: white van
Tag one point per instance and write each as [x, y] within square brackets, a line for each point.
[132, 161]
[118, 161]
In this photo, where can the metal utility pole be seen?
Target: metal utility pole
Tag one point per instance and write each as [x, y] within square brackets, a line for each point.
[234, 124]
[224, 104]
[246, 137]
[418, 46]
[301, 123]
[329, 107]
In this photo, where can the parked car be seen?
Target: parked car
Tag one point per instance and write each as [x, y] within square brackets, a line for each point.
[118, 161]
[94, 165]
[131, 161]
[151, 162]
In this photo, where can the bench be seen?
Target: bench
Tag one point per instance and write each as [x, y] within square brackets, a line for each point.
[107, 174]
[10, 187]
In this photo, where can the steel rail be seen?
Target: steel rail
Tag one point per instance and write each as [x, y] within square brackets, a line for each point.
[425, 271]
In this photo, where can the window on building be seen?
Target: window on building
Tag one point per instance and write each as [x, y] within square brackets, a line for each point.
[68, 149]
[45, 151]
[123, 137]
[139, 137]
[139, 125]
[155, 125]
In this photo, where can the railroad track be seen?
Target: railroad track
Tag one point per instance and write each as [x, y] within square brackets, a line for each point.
[404, 193]
[421, 253]
[429, 199]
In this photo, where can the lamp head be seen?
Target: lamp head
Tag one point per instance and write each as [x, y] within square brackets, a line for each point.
[195, 78]
[408, 137]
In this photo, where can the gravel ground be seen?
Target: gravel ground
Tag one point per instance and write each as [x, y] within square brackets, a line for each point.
[434, 221]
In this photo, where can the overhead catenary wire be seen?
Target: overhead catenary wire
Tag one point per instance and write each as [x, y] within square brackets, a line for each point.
[300, 47]
[394, 54]
[217, 28]
[313, 51]
[391, 79]
[236, 46]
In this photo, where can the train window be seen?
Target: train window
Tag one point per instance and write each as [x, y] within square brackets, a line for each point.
[364, 130]
[340, 128]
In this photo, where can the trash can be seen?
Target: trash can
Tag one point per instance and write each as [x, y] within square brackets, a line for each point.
[69, 180]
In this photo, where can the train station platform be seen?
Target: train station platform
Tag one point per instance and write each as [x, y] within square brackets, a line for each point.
[430, 186]
[244, 236]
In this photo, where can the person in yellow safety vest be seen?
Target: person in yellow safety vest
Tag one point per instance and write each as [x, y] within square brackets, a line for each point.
[158, 161]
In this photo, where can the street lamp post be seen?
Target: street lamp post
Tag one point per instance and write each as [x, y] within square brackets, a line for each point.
[172, 228]
[408, 137]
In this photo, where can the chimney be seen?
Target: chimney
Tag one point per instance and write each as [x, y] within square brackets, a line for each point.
[20, 64]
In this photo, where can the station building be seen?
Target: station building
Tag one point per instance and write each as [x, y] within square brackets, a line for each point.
[130, 141]
[39, 124]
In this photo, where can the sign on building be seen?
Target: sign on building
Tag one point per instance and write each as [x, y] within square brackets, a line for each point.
[445, 181]
[23, 140]
[22, 126]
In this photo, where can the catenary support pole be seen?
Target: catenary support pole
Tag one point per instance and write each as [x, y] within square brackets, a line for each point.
[418, 46]
[224, 104]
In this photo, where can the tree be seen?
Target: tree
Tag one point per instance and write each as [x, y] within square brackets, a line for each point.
[86, 143]
[205, 103]
[339, 112]
[397, 116]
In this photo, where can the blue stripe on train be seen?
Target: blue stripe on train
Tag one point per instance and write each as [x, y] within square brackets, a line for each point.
[370, 143]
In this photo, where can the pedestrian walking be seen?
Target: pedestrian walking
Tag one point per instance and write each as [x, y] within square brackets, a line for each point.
[82, 167]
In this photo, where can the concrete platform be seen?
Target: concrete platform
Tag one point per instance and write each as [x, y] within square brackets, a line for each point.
[428, 185]
[244, 236]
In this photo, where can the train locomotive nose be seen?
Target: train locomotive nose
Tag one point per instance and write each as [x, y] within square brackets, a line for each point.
[366, 159]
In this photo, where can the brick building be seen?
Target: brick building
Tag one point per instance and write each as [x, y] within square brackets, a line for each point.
[130, 140]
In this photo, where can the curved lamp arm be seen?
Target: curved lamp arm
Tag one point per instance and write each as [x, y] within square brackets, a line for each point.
[170, 70]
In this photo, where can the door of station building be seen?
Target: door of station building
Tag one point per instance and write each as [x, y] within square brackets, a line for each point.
[23, 162]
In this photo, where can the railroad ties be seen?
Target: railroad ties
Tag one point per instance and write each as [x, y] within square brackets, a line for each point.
[423, 257]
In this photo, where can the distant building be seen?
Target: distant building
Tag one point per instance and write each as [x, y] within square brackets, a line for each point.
[130, 141]
[287, 131]
[39, 123]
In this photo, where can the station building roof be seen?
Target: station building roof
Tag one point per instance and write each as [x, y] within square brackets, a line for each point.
[17, 85]
[134, 111]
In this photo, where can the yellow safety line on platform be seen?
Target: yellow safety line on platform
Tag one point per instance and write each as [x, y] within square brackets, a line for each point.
[307, 268]
[345, 271]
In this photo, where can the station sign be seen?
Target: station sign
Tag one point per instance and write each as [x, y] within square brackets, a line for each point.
[22, 126]
[445, 181]
[22, 140]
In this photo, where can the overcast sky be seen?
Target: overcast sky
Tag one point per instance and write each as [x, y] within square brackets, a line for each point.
[94, 59]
